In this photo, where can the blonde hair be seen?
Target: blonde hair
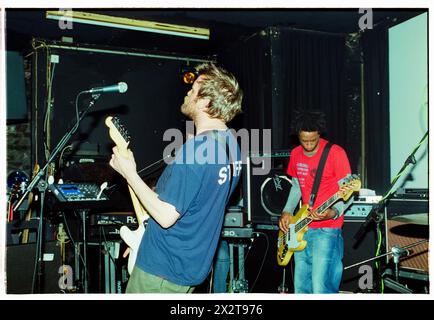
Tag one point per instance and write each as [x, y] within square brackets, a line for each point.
[222, 89]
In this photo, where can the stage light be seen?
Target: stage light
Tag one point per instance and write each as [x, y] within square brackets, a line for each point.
[189, 76]
[70, 16]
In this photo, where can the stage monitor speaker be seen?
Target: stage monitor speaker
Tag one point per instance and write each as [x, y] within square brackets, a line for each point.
[352, 255]
[266, 193]
[20, 264]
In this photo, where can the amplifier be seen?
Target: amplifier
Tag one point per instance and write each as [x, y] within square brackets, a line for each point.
[114, 218]
[108, 224]
[400, 206]
[361, 207]
[412, 193]
[358, 211]
[266, 186]
[231, 233]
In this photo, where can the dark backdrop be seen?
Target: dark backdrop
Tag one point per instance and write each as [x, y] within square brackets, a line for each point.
[280, 70]
[375, 46]
[149, 107]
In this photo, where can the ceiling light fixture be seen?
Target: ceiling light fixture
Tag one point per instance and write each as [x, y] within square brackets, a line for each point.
[130, 24]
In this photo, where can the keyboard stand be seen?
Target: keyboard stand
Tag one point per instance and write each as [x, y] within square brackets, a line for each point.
[237, 284]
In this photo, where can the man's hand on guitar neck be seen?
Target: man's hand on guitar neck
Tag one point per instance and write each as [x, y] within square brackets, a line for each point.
[124, 164]
[326, 215]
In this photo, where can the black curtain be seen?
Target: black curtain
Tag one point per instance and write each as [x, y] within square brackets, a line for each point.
[312, 66]
[281, 69]
[376, 81]
[249, 62]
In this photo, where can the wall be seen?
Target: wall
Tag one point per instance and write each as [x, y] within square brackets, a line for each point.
[18, 147]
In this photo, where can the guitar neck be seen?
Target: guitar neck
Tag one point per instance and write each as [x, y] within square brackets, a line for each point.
[123, 151]
[328, 203]
[140, 212]
[306, 221]
[121, 138]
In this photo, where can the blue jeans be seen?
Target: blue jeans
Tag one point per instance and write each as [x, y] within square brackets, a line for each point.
[318, 268]
[221, 268]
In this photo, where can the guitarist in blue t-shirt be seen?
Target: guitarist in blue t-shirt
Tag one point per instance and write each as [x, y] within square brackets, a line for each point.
[187, 207]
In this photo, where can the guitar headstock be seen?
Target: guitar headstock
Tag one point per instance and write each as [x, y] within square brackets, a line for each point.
[351, 183]
[117, 132]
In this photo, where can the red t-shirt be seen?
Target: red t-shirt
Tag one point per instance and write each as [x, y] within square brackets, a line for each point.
[304, 168]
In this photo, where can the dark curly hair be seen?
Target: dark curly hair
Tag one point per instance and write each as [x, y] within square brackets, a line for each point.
[310, 121]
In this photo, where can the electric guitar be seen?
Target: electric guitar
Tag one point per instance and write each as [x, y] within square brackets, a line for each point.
[292, 241]
[132, 238]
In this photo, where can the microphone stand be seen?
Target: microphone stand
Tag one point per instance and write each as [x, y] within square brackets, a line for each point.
[377, 212]
[42, 187]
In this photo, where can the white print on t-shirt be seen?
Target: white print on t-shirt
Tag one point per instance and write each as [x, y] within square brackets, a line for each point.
[302, 172]
[223, 173]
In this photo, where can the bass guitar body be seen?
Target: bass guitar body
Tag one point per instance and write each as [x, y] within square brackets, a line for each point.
[292, 241]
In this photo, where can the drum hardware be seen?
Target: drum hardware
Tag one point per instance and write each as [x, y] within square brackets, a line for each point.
[397, 252]
[415, 218]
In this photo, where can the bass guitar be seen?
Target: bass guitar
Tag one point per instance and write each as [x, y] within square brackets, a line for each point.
[292, 241]
[132, 238]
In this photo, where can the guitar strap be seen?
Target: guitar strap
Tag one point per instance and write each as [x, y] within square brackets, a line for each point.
[318, 174]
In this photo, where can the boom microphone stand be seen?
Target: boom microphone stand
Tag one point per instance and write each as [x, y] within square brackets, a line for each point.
[42, 187]
[377, 212]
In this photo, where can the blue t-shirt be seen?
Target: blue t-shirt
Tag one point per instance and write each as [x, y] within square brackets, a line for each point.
[196, 183]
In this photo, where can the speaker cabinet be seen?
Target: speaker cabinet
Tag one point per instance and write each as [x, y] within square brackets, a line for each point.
[353, 255]
[267, 186]
[20, 266]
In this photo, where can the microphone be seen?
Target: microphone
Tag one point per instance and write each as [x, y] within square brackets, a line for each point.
[121, 87]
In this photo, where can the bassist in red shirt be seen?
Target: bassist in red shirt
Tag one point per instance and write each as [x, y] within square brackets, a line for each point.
[318, 265]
